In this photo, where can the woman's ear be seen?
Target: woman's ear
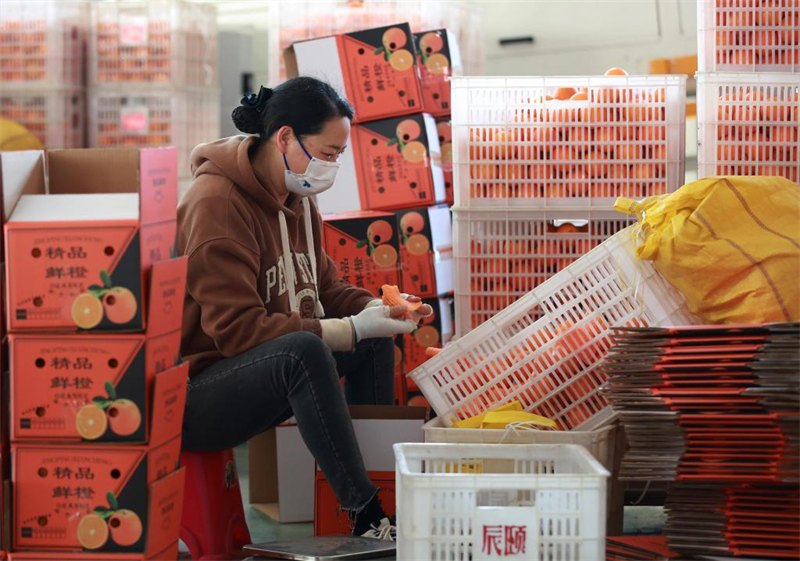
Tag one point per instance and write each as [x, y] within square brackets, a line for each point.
[283, 137]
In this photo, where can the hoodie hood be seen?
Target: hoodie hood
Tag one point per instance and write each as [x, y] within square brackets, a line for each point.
[232, 158]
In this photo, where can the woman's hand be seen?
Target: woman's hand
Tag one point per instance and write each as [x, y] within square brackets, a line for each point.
[381, 321]
[424, 311]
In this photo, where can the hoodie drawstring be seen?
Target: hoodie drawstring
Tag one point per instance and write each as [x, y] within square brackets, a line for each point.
[288, 261]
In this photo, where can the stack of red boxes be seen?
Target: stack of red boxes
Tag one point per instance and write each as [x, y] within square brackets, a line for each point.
[386, 221]
[97, 387]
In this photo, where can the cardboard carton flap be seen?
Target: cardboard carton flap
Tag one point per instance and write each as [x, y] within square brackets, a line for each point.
[165, 293]
[158, 187]
[165, 512]
[76, 208]
[441, 227]
[96, 170]
[21, 173]
[169, 400]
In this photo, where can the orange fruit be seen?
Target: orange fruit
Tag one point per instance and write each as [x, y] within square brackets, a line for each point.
[412, 223]
[379, 232]
[408, 130]
[615, 71]
[126, 527]
[431, 43]
[579, 96]
[91, 422]
[565, 93]
[384, 256]
[414, 152]
[437, 64]
[401, 60]
[418, 244]
[124, 417]
[426, 336]
[119, 304]
[87, 311]
[394, 38]
[92, 531]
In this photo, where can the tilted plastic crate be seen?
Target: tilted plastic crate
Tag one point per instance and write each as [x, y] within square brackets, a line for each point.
[182, 118]
[55, 116]
[502, 255]
[748, 124]
[459, 502]
[43, 44]
[748, 36]
[163, 42]
[515, 146]
[544, 349]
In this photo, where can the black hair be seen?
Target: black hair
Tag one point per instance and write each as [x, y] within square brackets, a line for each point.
[303, 103]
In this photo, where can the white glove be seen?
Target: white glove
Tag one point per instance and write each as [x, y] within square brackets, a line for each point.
[380, 321]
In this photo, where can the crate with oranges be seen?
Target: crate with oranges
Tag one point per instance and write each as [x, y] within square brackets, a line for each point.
[55, 116]
[749, 124]
[748, 35]
[575, 142]
[42, 44]
[500, 257]
[163, 42]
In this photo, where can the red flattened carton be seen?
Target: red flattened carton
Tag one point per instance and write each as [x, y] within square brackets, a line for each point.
[95, 387]
[444, 129]
[363, 245]
[80, 252]
[439, 58]
[105, 497]
[434, 332]
[375, 69]
[426, 251]
[392, 163]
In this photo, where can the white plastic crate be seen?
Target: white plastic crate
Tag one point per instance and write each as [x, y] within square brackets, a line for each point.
[515, 148]
[55, 116]
[748, 36]
[502, 255]
[183, 118]
[460, 502]
[42, 44]
[163, 42]
[544, 349]
[748, 124]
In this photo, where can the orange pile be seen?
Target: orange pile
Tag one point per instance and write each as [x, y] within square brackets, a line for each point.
[764, 32]
[600, 142]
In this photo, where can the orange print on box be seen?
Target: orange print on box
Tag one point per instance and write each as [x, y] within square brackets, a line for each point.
[439, 59]
[393, 163]
[363, 245]
[434, 332]
[444, 130]
[380, 72]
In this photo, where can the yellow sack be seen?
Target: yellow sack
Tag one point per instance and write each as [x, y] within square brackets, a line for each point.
[731, 245]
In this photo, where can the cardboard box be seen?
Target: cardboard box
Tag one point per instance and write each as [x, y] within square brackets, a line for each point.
[330, 519]
[363, 245]
[375, 69]
[82, 249]
[21, 172]
[96, 497]
[439, 58]
[171, 552]
[400, 389]
[444, 128]
[282, 471]
[392, 163]
[434, 332]
[426, 251]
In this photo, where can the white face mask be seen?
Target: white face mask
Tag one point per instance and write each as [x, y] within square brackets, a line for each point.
[318, 177]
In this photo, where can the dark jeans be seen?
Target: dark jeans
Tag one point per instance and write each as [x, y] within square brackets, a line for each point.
[297, 374]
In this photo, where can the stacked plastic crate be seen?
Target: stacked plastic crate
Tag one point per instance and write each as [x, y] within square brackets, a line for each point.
[42, 50]
[153, 75]
[538, 164]
[748, 88]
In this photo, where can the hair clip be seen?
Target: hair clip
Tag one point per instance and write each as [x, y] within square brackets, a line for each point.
[257, 101]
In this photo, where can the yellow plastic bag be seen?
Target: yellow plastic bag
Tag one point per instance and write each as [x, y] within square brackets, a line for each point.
[731, 245]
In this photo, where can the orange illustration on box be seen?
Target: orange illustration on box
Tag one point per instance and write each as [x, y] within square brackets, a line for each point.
[123, 526]
[435, 71]
[428, 335]
[379, 234]
[122, 416]
[444, 129]
[116, 303]
[418, 274]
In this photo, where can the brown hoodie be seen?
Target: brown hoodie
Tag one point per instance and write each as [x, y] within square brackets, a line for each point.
[236, 293]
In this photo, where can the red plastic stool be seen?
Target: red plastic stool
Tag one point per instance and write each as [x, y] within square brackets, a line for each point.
[213, 524]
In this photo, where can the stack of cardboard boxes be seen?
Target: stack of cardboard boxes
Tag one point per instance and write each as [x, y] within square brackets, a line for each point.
[97, 388]
[386, 217]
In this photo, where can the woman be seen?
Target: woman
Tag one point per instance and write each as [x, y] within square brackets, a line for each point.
[268, 327]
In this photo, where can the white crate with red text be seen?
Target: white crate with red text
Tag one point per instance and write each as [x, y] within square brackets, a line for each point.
[748, 124]
[566, 141]
[544, 349]
[502, 255]
[748, 35]
[480, 502]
